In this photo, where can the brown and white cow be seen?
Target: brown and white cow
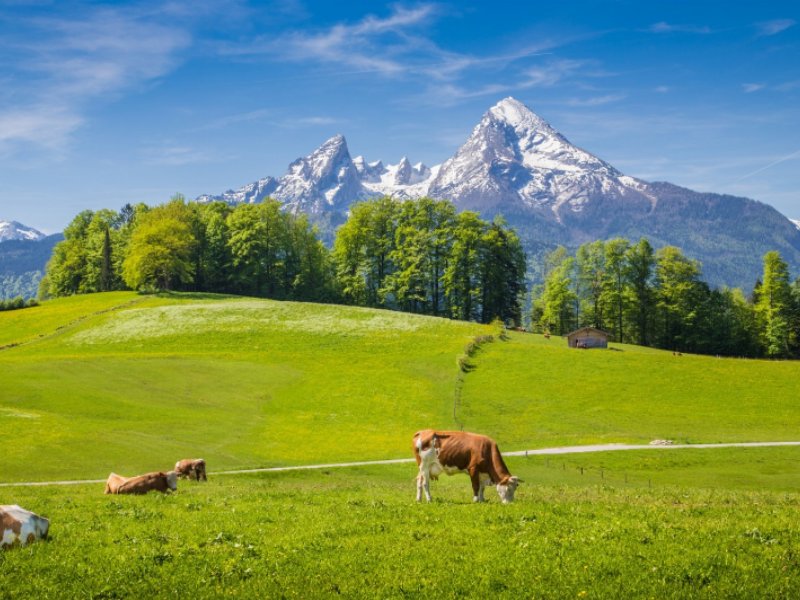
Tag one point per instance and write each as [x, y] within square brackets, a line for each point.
[141, 484]
[113, 482]
[189, 467]
[461, 452]
[20, 526]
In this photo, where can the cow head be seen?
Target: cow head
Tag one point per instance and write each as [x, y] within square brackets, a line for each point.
[172, 480]
[506, 489]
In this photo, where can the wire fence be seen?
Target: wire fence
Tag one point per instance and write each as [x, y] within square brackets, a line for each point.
[598, 474]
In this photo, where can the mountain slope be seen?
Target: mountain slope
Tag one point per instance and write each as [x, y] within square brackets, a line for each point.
[22, 264]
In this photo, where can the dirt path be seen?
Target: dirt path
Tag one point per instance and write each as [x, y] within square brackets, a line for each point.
[396, 461]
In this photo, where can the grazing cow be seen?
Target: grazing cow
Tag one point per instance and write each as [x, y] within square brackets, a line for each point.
[20, 526]
[141, 484]
[461, 452]
[191, 466]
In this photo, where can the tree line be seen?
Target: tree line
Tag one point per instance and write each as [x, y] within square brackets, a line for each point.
[417, 256]
[658, 298]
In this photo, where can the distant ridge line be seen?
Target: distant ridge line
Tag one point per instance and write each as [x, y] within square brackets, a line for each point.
[395, 461]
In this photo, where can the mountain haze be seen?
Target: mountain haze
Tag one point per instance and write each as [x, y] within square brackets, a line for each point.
[515, 164]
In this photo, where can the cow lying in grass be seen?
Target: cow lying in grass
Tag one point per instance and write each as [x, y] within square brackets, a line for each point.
[189, 467]
[461, 452]
[19, 526]
[141, 484]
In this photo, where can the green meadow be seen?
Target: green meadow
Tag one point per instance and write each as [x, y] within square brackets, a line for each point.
[128, 383]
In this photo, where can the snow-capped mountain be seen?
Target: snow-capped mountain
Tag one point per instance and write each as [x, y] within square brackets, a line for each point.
[328, 180]
[12, 230]
[514, 160]
[796, 222]
[515, 164]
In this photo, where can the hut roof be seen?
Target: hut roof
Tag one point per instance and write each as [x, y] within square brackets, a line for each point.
[589, 330]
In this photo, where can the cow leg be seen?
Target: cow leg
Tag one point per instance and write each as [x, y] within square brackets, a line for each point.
[480, 490]
[424, 481]
[477, 492]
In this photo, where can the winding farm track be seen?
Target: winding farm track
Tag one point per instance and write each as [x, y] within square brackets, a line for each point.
[395, 461]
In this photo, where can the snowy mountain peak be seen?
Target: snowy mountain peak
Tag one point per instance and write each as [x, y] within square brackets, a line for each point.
[516, 160]
[12, 230]
[520, 117]
[327, 177]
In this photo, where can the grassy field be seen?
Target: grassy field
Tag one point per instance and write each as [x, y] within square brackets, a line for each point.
[240, 382]
[357, 532]
[131, 383]
[560, 396]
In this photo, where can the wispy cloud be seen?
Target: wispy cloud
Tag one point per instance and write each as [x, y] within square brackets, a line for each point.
[664, 27]
[60, 65]
[372, 44]
[766, 28]
[45, 126]
[786, 86]
[261, 114]
[790, 156]
[749, 88]
[596, 101]
[309, 121]
[396, 46]
[175, 155]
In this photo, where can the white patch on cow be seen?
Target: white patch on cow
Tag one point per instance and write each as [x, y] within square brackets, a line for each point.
[506, 491]
[8, 537]
[30, 524]
[172, 480]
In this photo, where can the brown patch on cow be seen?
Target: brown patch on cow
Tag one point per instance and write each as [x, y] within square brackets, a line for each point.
[11, 523]
[31, 538]
[145, 483]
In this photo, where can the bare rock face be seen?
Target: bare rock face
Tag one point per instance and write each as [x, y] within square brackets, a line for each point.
[20, 527]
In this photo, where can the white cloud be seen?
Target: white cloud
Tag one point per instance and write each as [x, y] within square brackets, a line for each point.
[60, 66]
[774, 26]
[372, 44]
[176, 155]
[749, 88]
[46, 126]
[596, 101]
[663, 27]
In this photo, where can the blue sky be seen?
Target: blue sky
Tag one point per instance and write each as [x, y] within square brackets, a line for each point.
[107, 103]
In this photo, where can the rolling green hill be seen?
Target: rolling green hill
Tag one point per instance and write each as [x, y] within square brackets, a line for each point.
[122, 382]
[131, 383]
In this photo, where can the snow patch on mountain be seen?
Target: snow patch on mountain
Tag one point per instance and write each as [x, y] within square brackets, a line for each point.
[796, 222]
[12, 230]
[251, 193]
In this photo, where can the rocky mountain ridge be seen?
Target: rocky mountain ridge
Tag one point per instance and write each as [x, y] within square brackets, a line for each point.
[515, 164]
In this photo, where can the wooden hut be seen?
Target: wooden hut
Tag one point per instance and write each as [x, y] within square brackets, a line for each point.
[588, 337]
